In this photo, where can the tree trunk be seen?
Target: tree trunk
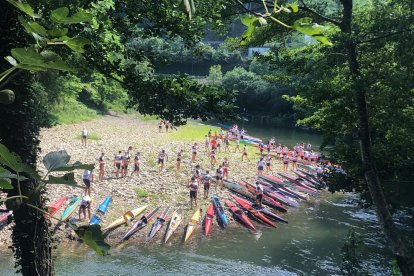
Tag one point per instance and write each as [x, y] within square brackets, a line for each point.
[20, 123]
[394, 239]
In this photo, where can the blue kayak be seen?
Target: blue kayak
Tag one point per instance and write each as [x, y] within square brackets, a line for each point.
[219, 210]
[100, 213]
[224, 126]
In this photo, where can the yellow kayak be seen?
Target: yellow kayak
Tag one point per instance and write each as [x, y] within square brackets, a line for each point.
[192, 224]
[176, 219]
[126, 217]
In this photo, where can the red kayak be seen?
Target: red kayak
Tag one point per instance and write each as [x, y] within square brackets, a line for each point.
[238, 213]
[208, 223]
[252, 190]
[53, 208]
[248, 206]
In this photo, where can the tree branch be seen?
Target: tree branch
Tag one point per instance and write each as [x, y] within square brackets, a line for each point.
[384, 36]
[321, 16]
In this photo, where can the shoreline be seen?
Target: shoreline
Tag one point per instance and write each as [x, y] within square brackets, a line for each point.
[167, 188]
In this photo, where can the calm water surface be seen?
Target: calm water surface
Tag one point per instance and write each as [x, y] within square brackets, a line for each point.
[309, 245]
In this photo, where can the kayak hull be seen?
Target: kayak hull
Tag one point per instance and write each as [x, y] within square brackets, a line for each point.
[192, 225]
[70, 209]
[127, 216]
[208, 224]
[175, 221]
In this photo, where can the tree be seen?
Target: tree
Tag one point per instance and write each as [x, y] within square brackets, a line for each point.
[215, 75]
[350, 41]
[21, 120]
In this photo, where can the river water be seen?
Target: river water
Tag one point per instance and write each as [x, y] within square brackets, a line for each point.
[309, 245]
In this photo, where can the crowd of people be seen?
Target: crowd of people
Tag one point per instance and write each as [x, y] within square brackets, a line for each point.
[217, 142]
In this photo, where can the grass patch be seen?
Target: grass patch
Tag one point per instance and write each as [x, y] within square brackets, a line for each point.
[91, 136]
[141, 193]
[192, 132]
[147, 117]
[72, 112]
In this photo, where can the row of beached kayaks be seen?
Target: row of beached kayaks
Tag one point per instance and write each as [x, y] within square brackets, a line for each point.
[280, 192]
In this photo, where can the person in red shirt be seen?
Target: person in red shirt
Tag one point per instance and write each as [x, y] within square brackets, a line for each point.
[213, 143]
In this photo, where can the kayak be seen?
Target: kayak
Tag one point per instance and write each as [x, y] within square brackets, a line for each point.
[176, 219]
[268, 213]
[277, 196]
[101, 211]
[71, 208]
[248, 206]
[4, 217]
[240, 215]
[53, 208]
[208, 222]
[266, 199]
[237, 188]
[192, 224]
[126, 217]
[140, 224]
[224, 126]
[157, 225]
[221, 215]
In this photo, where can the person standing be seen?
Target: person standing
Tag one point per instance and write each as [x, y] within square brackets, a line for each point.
[213, 157]
[162, 157]
[244, 153]
[219, 141]
[207, 144]
[193, 185]
[137, 162]
[294, 160]
[179, 158]
[219, 176]
[125, 162]
[117, 163]
[259, 193]
[261, 148]
[285, 160]
[84, 136]
[206, 182]
[226, 165]
[194, 149]
[87, 179]
[268, 168]
[260, 166]
[226, 144]
[160, 126]
[167, 126]
[85, 205]
[237, 148]
[101, 161]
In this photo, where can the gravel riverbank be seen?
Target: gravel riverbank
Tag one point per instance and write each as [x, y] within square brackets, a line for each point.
[168, 188]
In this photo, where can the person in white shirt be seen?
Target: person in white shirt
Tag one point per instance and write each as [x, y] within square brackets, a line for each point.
[87, 179]
[85, 205]
[84, 136]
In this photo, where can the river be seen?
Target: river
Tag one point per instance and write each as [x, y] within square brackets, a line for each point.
[309, 245]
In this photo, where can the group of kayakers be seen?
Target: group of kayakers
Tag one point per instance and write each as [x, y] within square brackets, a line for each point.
[214, 144]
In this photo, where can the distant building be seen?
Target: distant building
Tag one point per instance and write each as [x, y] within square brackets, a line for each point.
[259, 50]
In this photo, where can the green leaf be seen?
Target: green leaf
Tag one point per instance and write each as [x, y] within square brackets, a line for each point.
[11, 60]
[305, 26]
[294, 7]
[11, 160]
[26, 8]
[55, 32]
[5, 183]
[4, 173]
[56, 159]
[250, 22]
[32, 27]
[67, 179]
[92, 236]
[60, 15]
[77, 44]
[33, 61]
